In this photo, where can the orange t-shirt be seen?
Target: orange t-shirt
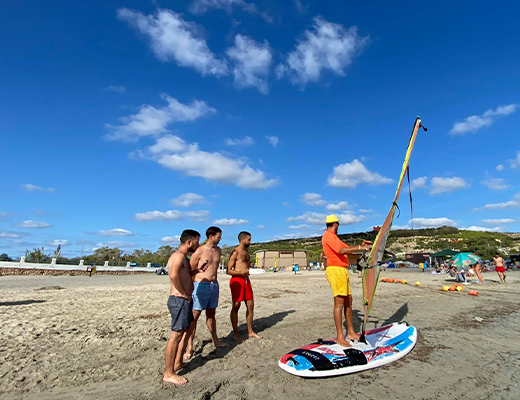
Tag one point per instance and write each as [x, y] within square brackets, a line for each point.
[331, 245]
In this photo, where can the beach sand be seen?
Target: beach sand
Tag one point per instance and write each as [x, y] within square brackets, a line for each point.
[75, 337]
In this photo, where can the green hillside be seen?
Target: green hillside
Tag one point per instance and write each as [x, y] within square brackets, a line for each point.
[484, 244]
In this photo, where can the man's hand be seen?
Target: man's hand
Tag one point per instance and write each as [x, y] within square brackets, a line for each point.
[204, 266]
[367, 243]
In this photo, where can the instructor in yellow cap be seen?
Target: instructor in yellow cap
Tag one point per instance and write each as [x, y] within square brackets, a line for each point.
[337, 274]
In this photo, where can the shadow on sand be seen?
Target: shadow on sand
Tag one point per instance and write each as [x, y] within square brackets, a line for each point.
[260, 325]
[374, 322]
[20, 303]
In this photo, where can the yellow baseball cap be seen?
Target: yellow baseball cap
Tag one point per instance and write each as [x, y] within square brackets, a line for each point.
[331, 218]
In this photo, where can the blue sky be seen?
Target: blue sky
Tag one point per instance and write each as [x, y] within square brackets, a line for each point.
[123, 123]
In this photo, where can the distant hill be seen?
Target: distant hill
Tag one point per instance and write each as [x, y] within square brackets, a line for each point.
[484, 244]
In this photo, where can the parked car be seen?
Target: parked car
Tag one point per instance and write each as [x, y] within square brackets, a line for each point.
[133, 264]
[155, 265]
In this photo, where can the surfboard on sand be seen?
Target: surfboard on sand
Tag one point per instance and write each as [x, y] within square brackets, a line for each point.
[256, 271]
[325, 358]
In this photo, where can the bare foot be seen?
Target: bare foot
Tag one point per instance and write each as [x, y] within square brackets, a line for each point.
[180, 366]
[343, 342]
[353, 336]
[254, 335]
[238, 339]
[221, 344]
[187, 356]
[175, 379]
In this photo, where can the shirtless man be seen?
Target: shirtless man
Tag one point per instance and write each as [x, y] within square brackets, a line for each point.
[478, 272]
[499, 267]
[204, 262]
[241, 289]
[180, 305]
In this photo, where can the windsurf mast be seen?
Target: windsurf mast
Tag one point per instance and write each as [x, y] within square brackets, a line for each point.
[371, 273]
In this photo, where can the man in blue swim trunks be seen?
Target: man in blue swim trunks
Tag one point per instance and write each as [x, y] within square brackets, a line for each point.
[204, 262]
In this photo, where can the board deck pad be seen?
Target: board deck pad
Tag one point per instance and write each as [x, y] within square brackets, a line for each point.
[326, 358]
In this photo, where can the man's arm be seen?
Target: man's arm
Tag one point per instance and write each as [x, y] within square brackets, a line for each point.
[174, 270]
[194, 260]
[353, 249]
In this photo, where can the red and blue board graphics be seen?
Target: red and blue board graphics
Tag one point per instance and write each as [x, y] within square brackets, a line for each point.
[325, 358]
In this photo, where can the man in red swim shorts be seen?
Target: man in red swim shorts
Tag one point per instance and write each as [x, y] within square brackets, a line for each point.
[499, 267]
[241, 289]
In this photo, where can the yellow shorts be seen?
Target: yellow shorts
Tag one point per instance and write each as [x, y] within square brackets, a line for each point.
[339, 280]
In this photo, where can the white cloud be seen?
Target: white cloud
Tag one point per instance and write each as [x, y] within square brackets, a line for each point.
[285, 204]
[4, 216]
[445, 185]
[352, 174]
[420, 223]
[482, 229]
[418, 183]
[58, 242]
[116, 232]
[498, 221]
[288, 236]
[314, 218]
[230, 221]
[261, 227]
[500, 167]
[362, 210]
[300, 7]
[296, 227]
[312, 199]
[212, 166]
[273, 140]
[252, 61]
[188, 199]
[245, 141]
[310, 218]
[174, 240]
[515, 162]
[476, 122]
[33, 224]
[9, 235]
[495, 183]
[342, 205]
[501, 206]
[173, 38]
[202, 6]
[116, 243]
[175, 215]
[325, 47]
[151, 121]
[117, 88]
[35, 188]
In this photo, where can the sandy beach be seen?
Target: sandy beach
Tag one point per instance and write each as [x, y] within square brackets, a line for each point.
[75, 337]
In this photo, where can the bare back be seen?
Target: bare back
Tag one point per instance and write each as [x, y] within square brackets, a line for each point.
[499, 261]
[206, 261]
[179, 272]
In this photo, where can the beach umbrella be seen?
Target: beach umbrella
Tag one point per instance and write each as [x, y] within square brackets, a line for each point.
[462, 260]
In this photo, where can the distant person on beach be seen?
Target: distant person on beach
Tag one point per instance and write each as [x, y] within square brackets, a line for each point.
[323, 261]
[499, 267]
[241, 289]
[478, 272]
[180, 304]
[337, 274]
[204, 264]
